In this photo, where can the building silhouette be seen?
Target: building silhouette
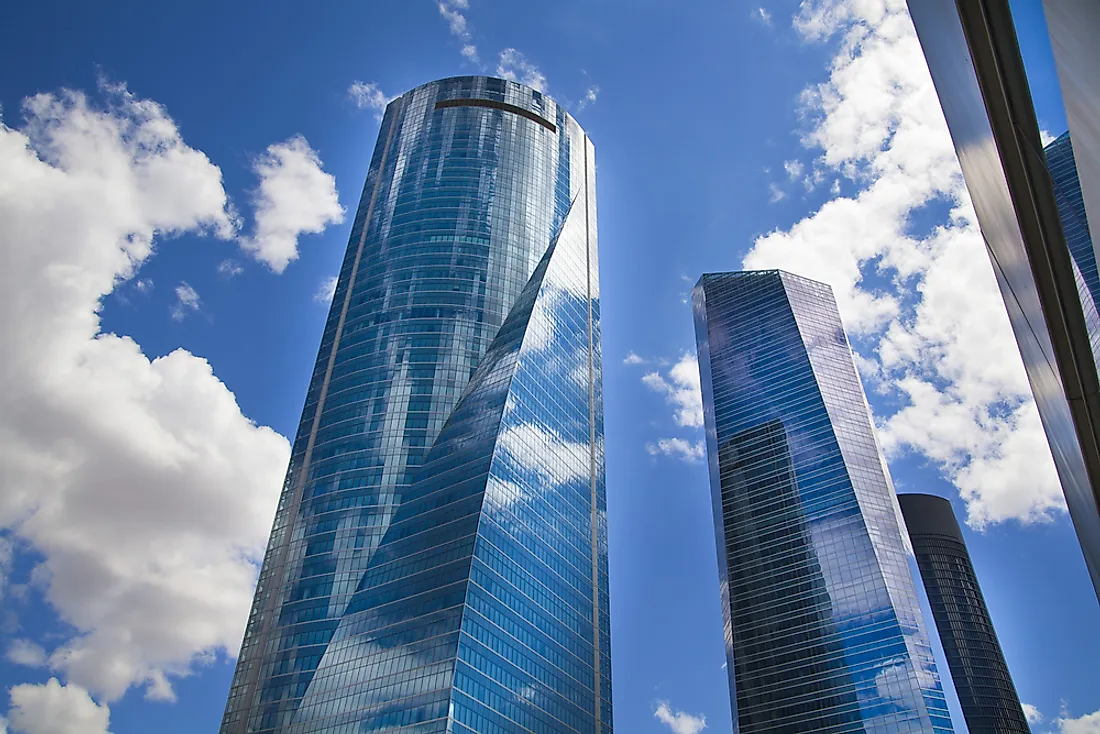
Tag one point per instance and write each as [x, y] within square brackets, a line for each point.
[824, 631]
[988, 698]
[438, 561]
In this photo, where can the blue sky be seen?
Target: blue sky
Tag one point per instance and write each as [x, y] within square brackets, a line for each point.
[136, 490]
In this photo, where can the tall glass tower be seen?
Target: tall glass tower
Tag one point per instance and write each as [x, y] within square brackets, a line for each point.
[438, 561]
[1075, 226]
[1071, 210]
[824, 631]
[979, 671]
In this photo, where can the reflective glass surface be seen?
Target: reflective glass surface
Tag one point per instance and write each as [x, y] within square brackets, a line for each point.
[1013, 210]
[1071, 210]
[438, 561]
[823, 626]
[1073, 28]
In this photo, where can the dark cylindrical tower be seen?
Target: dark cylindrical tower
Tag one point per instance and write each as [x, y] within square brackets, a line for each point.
[988, 697]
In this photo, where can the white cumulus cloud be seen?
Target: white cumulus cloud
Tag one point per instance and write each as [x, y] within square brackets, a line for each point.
[924, 302]
[1032, 713]
[514, 66]
[681, 388]
[295, 197]
[677, 721]
[1087, 724]
[52, 708]
[144, 493]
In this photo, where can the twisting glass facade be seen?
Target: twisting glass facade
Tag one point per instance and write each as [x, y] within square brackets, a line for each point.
[979, 671]
[438, 561]
[823, 624]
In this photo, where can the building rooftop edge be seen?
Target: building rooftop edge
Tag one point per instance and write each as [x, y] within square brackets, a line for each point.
[456, 77]
[929, 514]
[764, 271]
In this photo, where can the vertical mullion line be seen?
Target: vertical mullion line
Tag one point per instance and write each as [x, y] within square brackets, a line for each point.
[300, 483]
[592, 450]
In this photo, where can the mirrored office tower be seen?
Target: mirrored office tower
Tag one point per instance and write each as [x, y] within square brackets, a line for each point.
[1075, 223]
[438, 561]
[987, 696]
[1075, 226]
[823, 624]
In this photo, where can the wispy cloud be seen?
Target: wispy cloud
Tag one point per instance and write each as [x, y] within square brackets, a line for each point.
[25, 652]
[777, 194]
[677, 448]
[369, 96]
[515, 66]
[877, 123]
[144, 285]
[326, 290]
[187, 301]
[590, 96]
[50, 708]
[677, 721]
[633, 359]
[296, 196]
[229, 268]
[454, 12]
[794, 169]
[762, 15]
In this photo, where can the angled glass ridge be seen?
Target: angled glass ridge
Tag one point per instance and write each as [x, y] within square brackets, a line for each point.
[438, 561]
[824, 631]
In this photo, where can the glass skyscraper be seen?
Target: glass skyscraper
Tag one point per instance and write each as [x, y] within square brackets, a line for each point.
[1075, 226]
[438, 561]
[824, 631]
[987, 695]
[1071, 210]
